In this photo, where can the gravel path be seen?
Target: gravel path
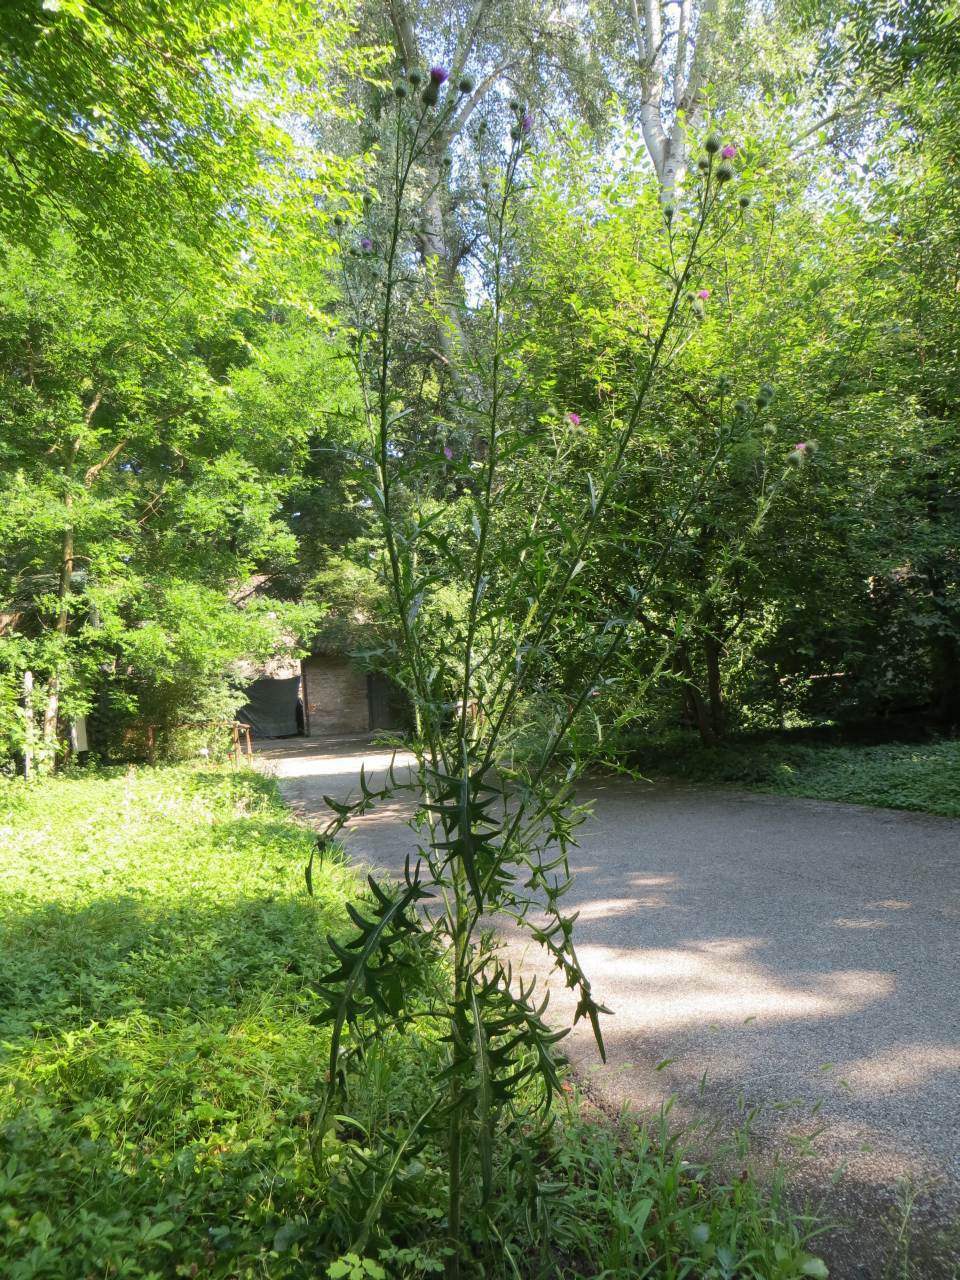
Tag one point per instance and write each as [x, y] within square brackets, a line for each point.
[796, 956]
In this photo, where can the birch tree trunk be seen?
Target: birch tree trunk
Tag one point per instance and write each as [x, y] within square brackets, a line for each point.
[674, 63]
[29, 724]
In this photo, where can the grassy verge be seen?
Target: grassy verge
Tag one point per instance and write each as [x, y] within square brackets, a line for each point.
[924, 777]
[161, 1068]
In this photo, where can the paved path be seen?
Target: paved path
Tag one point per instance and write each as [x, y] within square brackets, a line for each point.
[776, 951]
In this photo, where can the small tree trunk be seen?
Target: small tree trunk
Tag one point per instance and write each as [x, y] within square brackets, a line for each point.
[29, 725]
[711, 653]
[694, 698]
[51, 715]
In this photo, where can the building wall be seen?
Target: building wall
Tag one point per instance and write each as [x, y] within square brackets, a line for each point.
[335, 697]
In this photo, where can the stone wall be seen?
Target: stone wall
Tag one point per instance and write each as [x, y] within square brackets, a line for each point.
[335, 697]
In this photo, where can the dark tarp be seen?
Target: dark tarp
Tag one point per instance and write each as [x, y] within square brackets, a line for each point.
[271, 709]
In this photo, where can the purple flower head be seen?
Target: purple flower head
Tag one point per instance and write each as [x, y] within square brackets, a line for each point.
[439, 75]
[526, 124]
[703, 294]
[729, 151]
[801, 447]
[447, 452]
[573, 419]
[366, 244]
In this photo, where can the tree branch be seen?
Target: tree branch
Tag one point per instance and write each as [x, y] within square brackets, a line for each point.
[405, 34]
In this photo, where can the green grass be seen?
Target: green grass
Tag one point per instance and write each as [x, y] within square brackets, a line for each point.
[159, 1059]
[161, 1070]
[923, 777]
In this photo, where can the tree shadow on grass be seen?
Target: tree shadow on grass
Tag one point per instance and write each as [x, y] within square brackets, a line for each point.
[62, 966]
[160, 1071]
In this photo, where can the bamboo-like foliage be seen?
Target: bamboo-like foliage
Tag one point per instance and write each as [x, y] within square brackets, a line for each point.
[492, 838]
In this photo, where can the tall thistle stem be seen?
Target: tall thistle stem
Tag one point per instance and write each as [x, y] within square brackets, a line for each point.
[485, 844]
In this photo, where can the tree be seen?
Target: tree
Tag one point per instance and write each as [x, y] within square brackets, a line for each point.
[755, 625]
[148, 447]
[133, 125]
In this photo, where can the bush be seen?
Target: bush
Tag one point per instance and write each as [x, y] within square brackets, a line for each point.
[919, 776]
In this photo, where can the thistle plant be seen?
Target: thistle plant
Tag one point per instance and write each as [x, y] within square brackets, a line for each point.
[492, 835]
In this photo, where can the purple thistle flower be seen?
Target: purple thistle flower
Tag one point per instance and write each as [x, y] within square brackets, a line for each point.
[703, 294]
[366, 244]
[447, 452]
[573, 419]
[526, 124]
[729, 151]
[439, 75]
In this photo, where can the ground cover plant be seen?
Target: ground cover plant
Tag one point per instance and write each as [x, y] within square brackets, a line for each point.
[162, 1067]
[922, 776]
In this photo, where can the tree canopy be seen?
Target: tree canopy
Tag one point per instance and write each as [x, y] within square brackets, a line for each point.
[182, 417]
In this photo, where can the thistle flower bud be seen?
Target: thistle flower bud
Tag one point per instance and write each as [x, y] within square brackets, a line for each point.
[466, 84]
[515, 133]
[744, 202]
[724, 172]
[338, 220]
[446, 162]
[723, 384]
[703, 165]
[431, 95]
[668, 212]
[515, 105]
[765, 395]
[741, 408]
[713, 144]
[415, 78]
[400, 89]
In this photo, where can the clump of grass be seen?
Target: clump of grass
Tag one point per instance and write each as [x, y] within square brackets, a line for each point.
[628, 1200]
[162, 1069]
[160, 1064]
[923, 777]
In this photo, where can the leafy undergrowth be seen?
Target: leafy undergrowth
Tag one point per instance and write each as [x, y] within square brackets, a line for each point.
[923, 777]
[161, 1071]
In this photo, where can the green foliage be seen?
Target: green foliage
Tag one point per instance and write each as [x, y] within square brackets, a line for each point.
[148, 454]
[159, 1055]
[844, 600]
[632, 1200]
[141, 130]
[166, 362]
[923, 776]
